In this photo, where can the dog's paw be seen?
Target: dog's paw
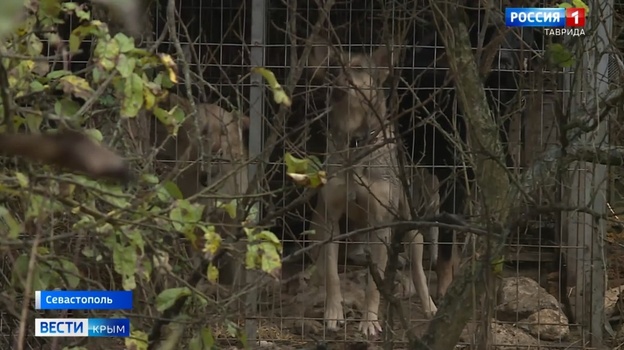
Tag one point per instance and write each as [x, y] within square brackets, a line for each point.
[432, 310]
[334, 316]
[370, 327]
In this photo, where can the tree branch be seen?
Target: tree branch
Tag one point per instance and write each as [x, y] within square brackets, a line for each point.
[597, 154]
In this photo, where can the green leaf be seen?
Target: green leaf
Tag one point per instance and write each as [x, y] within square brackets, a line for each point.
[207, 338]
[9, 16]
[66, 107]
[95, 134]
[19, 275]
[106, 53]
[36, 86]
[82, 14]
[33, 121]
[49, 10]
[232, 328]
[77, 35]
[133, 96]
[136, 341]
[125, 262]
[125, 65]
[185, 216]
[34, 206]
[580, 3]
[168, 119]
[135, 236]
[202, 341]
[126, 44]
[560, 56]
[34, 46]
[58, 74]
[295, 165]
[70, 272]
[98, 75]
[150, 178]
[11, 226]
[168, 297]
[173, 189]
[279, 95]
[263, 251]
[565, 5]
[305, 172]
[229, 207]
[196, 343]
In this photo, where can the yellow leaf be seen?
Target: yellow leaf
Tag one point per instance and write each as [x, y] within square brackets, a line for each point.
[212, 273]
[229, 207]
[76, 86]
[279, 95]
[168, 62]
[21, 179]
[497, 265]
[149, 98]
[212, 242]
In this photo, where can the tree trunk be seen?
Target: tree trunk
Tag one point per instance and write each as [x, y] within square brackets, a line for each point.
[500, 201]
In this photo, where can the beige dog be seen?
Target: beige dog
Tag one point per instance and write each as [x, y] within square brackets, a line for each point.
[368, 190]
[219, 133]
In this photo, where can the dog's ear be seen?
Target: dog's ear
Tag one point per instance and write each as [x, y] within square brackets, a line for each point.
[382, 57]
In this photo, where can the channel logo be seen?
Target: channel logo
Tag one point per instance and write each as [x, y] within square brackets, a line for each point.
[545, 17]
[82, 327]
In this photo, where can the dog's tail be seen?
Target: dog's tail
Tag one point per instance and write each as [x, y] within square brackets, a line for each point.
[434, 231]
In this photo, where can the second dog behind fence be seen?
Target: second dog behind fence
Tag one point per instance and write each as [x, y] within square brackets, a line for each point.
[369, 191]
[218, 134]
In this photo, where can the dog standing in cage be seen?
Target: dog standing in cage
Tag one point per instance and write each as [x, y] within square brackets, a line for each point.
[425, 194]
[368, 189]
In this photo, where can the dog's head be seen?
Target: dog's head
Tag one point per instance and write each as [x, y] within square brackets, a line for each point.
[358, 103]
[222, 131]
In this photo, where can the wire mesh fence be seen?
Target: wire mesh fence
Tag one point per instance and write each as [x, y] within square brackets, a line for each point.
[422, 173]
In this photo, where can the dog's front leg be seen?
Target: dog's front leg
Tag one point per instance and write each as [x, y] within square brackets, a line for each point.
[379, 254]
[418, 274]
[325, 224]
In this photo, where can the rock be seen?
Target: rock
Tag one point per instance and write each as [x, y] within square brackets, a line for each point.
[546, 324]
[508, 337]
[618, 339]
[611, 298]
[520, 297]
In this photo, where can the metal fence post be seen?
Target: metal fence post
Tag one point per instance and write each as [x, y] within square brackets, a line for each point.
[256, 111]
[589, 181]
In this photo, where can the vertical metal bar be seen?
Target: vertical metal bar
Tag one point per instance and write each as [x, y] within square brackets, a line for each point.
[256, 110]
[589, 181]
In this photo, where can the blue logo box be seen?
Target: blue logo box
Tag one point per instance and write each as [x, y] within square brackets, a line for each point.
[83, 300]
[535, 17]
